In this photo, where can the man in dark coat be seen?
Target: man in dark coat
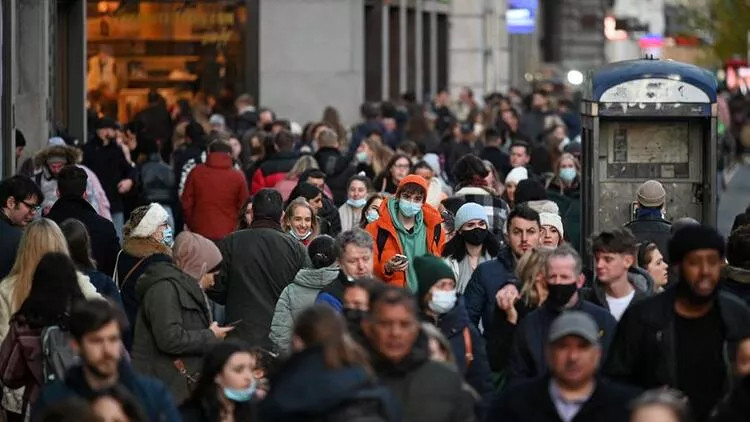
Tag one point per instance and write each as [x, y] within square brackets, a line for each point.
[19, 202]
[96, 327]
[329, 212]
[492, 152]
[428, 391]
[247, 114]
[278, 164]
[333, 164]
[564, 279]
[685, 337]
[71, 187]
[649, 224]
[258, 263]
[572, 391]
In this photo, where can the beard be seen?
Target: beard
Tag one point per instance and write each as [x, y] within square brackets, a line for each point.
[685, 291]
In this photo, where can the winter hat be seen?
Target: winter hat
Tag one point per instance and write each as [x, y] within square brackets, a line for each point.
[412, 178]
[195, 255]
[106, 123]
[529, 190]
[651, 194]
[692, 238]
[554, 220]
[147, 224]
[683, 222]
[544, 205]
[469, 211]
[56, 141]
[429, 269]
[217, 120]
[433, 161]
[516, 175]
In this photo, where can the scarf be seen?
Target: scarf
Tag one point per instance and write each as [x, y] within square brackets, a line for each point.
[648, 214]
[465, 271]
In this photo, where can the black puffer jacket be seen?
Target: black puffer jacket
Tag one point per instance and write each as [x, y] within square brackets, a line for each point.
[172, 324]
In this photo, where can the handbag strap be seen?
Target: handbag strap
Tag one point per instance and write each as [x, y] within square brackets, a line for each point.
[132, 270]
[468, 350]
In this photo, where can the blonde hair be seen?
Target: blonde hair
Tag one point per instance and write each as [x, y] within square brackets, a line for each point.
[531, 263]
[39, 238]
[381, 154]
[304, 163]
[556, 168]
[286, 223]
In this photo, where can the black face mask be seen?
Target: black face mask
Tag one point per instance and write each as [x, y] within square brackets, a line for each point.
[560, 294]
[683, 290]
[353, 317]
[474, 236]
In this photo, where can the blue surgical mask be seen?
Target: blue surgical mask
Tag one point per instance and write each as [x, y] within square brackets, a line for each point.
[356, 203]
[168, 237]
[442, 301]
[568, 174]
[409, 209]
[361, 156]
[242, 394]
[372, 215]
[298, 237]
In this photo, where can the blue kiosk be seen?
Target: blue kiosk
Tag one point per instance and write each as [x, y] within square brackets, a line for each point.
[648, 119]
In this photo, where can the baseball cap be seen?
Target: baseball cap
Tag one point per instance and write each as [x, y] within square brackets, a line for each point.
[574, 323]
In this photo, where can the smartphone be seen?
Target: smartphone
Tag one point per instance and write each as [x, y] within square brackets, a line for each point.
[234, 324]
[401, 258]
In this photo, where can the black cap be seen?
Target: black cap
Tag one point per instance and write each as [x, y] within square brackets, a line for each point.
[107, 123]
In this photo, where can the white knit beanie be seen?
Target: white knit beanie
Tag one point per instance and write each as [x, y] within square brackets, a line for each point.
[554, 220]
[154, 217]
[516, 175]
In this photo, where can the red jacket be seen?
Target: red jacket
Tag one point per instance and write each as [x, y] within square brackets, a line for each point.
[214, 193]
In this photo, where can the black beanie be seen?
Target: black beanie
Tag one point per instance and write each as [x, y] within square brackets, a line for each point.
[429, 269]
[529, 190]
[692, 238]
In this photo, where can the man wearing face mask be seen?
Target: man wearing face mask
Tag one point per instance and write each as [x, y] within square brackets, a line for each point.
[441, 306]
[407, 228]
[685, 337]
[564, 279]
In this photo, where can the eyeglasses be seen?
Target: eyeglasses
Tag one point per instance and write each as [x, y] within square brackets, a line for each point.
[32, 207]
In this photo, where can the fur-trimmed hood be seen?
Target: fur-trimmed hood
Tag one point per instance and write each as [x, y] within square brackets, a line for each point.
[72, 154]
[141, 247]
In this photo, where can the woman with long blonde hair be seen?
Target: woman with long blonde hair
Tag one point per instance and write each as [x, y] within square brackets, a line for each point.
[301, 221]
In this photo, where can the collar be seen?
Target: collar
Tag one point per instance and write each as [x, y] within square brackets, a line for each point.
[265, 223]
[219, 160]
[557, 396]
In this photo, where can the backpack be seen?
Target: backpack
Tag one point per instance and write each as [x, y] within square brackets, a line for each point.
[57, 353]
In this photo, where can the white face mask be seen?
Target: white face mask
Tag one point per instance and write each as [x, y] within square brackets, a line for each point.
[442, 301]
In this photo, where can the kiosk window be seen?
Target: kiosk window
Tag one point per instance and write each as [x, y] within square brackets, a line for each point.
[648, 150]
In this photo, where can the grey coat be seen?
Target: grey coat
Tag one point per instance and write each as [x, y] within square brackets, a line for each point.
[294, 299]
[172, 324]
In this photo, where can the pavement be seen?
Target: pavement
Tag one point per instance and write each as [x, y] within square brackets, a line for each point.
[736, 198]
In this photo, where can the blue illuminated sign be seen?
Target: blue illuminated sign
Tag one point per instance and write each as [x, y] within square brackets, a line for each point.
[521, 16]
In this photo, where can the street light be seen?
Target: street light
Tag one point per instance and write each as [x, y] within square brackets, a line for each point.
[575, 77]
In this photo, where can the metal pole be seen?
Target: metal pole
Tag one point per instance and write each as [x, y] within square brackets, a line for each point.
[418, 40]
[384, 40]
[402, 47]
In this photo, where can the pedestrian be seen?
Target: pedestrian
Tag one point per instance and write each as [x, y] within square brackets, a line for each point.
[301, 221]
[493, 275]
[291, 180]
[552, 232]
[510, 310]
[258, 263]
[407, 228]
[472, 245]
[107, 160]
[357, 190]
[303, 290]
[471, 185]
[371, 157]
[245, 215]
[651, 259]
[564, 280]
[389, 179]
[619, 283]
[663, 405]
[96, 327]
[571, 391]
[155, 179]
[54, 290]
[71, 188]
[371, 210]
[328, 210]
[355, 302]
[79, 245]
[736, 275]
[492, 152]
[564, 188]
[19, 203]
[325, 355]
[400, 356]
[227, 387]
[174, 327]
[514, 177]
[148, 240]
[694, 317]
[649, 223]
[435, 191]
[118, 405]
[332, 162]
[440, 305]
[277, 164]
[355, 258]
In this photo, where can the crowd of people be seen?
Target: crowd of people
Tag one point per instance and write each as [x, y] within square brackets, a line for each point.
[425, 264]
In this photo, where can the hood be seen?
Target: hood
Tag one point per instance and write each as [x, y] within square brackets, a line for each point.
[295, 392]
[141, 247]
[219, 160]
[195, 255]
[641, 279]
[156, 273]
[737, 274]
[72, 154]
[316, 278]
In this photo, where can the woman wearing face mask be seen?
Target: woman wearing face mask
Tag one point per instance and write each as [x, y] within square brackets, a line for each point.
[300, 221]
[338, 370]
[356, 192]
[472, 244]
[442, 307]
[148, 240]
[509, 311]
[174, 328]
[371, 210]
[226, 389]
[564, 188]
[651, 260]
